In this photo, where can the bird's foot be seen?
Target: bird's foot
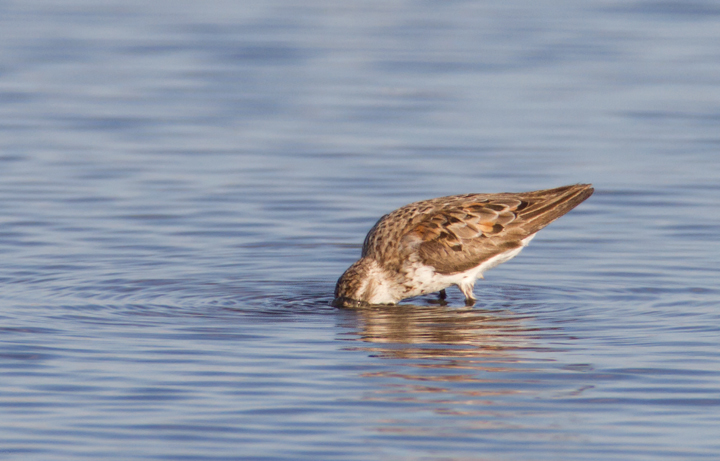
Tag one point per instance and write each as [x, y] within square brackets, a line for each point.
[440, 299]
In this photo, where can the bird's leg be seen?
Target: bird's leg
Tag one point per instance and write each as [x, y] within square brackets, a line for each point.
[467, 290]
[440, 299]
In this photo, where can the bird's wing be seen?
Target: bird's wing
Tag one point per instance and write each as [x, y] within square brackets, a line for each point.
[464, 231]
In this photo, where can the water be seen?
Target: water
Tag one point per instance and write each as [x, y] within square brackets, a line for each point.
[181, 183]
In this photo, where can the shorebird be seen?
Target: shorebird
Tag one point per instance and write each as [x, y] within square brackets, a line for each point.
[428, 246]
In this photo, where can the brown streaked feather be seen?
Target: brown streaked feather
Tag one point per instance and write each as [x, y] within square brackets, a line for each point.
[455, 233]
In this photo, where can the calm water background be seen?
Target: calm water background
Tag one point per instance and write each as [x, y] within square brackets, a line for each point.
[181, 183]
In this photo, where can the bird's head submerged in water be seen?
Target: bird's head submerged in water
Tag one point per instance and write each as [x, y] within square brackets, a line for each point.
[363, 283]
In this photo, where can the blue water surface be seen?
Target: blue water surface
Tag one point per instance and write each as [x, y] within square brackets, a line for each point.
[181, 184]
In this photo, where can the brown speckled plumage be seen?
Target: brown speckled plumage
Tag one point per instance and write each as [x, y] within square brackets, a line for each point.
[447, 238]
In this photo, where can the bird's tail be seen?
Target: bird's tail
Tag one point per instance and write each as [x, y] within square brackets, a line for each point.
[545, 206]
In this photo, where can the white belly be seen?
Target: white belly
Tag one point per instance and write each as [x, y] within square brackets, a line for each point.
[425, 280]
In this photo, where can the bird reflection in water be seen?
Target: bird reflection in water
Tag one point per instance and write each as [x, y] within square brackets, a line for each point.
[464, 363]
[440, 332]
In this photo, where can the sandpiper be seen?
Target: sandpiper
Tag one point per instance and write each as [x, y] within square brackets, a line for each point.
[428, 246]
